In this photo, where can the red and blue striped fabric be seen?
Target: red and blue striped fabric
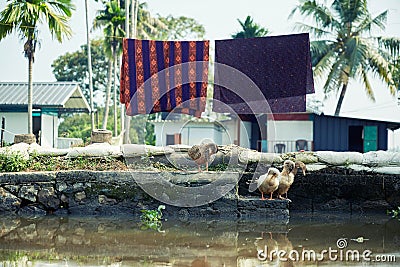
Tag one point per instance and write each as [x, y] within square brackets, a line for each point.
[164, 76]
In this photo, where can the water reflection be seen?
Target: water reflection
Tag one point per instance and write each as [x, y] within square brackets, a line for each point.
[72, 241]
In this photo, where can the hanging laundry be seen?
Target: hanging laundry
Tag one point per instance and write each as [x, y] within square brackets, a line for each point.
[278, 69]
[164, 76]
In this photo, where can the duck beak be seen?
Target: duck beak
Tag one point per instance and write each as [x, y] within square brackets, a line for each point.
[291, 167]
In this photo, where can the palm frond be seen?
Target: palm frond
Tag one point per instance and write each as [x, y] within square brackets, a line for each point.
[324, 55]
[320, 13]
[317, 32]
[367, 84]
[357, 50]
[350, 11]
[337, 75]
[367, 24]
[379, 66]
[391, 44]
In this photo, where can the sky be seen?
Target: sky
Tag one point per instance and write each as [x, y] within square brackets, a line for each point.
[220, 20]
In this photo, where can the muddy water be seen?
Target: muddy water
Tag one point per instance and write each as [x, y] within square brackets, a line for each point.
[76, 241]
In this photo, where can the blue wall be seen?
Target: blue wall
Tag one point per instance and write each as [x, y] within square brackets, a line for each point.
[332, 133]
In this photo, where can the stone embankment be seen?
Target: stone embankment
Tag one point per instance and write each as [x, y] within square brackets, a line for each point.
[335, 181]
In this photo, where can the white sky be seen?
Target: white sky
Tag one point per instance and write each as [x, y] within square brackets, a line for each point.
[220, 20]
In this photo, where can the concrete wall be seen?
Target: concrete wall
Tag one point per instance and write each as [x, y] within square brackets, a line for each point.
[16, 123]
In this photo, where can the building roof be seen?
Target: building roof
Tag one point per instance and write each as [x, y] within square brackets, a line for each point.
[64, 96]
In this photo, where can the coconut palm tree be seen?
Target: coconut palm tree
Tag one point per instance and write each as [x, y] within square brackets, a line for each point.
[250, 29]
[346, 46]
[24, 17]
[112, 19]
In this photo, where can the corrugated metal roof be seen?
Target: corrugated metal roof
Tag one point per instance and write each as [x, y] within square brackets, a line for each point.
[49, 94]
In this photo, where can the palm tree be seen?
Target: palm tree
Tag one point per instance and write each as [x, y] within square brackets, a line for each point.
[24, 18]
[346, 47]
[112, 18]
[250, 29]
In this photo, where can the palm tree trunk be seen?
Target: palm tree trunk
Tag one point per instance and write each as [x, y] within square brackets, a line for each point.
[115, 92]
[128, 33]
[30, 93]
[121, 107]
[89, 56]
[108, 94]
[340, 101]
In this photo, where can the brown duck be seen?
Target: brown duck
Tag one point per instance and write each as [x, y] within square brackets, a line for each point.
[287, 176]
[269, 182]
[202, 153]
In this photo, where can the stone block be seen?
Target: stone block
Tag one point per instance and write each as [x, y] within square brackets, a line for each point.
[8, 202]
[29, 192]
[24, 138]
[47, 197]
[101, 136]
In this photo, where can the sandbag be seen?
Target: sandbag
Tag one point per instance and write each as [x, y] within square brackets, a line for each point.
[137, 150]
[339, 158]
[20, 148]
[387, 170]
[249, 156]
[95, 150]
[381, 158]
[35, 149]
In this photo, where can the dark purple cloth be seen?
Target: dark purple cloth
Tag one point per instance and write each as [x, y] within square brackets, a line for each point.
[278, 66]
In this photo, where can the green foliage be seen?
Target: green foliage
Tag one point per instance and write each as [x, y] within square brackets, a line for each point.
[78, 126]
[50, 163]
[345, 48]
[73, 67]
[220, 167]
[394, 213]
[250, 29]
[151, 219]
[152, 215]
[181, 28]
[12, 162]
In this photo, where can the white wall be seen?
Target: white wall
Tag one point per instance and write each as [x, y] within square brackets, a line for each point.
[245, 134]
[289, 131]
[195, 133]
[394, 140]
[16, 123]
[293, 130]
[161, 130]
[49, 130]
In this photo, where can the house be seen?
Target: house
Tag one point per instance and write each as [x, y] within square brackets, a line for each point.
[177, 130]
[312, 131]
[50, 100]
[281, 132]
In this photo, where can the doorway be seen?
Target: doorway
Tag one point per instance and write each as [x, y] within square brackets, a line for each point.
[37, 126]
[356, 142]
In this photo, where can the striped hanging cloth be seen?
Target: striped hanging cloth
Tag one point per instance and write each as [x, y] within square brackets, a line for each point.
[164, 76]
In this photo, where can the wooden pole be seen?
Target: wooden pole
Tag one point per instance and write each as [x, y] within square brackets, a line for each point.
[3, 127]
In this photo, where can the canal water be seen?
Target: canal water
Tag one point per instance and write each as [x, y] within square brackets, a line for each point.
[307, 240]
